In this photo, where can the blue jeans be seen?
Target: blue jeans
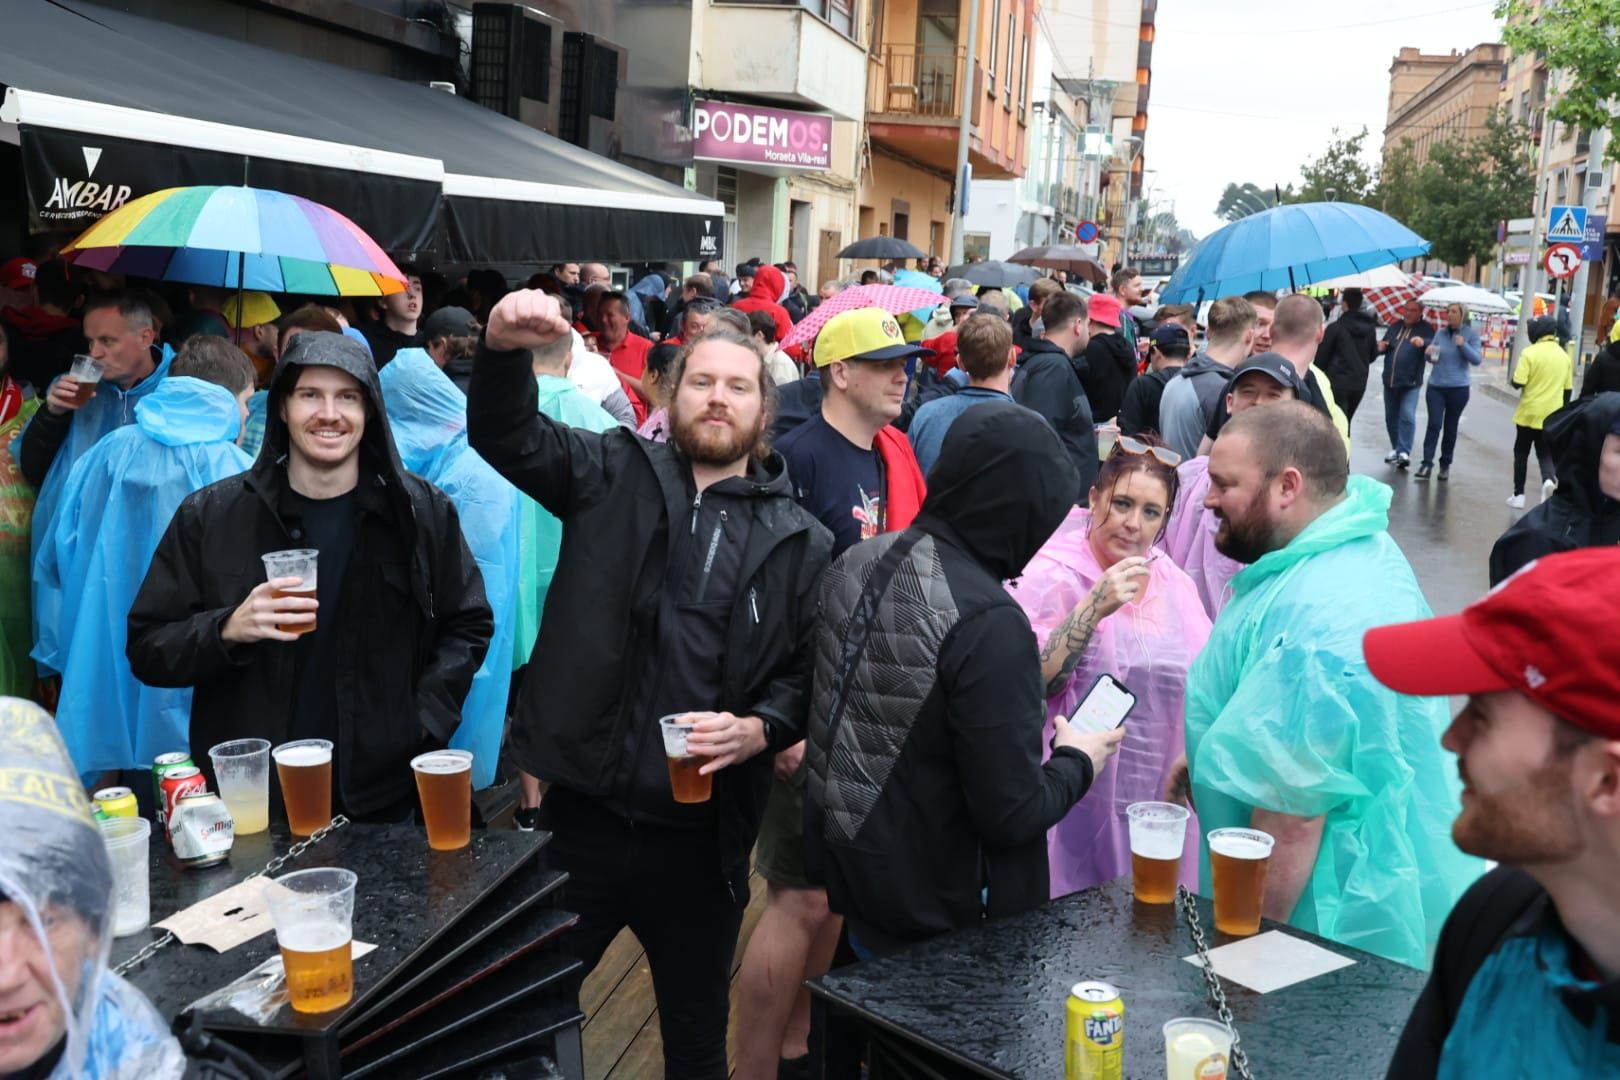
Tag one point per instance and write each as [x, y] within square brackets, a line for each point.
[1445, 405]
[1400, 417]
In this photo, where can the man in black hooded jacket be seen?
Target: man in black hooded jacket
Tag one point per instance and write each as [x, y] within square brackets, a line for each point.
[403, 622]
[928, 804]
[1584, 511]
[1347, 352]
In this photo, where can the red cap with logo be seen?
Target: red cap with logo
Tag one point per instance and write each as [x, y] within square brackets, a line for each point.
[1551, 632]
[18, 273]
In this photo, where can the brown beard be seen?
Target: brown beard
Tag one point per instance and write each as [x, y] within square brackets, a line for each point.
[1249, 537]
[1533, 823]
[705, 445]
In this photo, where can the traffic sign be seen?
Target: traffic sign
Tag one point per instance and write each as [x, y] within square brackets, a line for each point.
[1562, 260]
[1086, 232]
[1566, 223]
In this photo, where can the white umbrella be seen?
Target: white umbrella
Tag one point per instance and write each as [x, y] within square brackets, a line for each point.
[1379, 277]
[1469, 296]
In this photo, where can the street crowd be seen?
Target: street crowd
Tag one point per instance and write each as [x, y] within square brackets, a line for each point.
[875, 571]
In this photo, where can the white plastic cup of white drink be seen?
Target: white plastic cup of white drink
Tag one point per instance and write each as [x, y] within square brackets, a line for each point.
[242, 771]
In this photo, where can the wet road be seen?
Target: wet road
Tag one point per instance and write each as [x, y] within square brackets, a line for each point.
[1446, 530]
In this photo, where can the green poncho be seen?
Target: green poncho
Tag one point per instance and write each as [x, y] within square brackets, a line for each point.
[1282, 714]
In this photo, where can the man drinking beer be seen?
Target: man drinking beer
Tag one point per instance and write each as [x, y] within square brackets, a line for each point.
[685, 590]
[402, 622]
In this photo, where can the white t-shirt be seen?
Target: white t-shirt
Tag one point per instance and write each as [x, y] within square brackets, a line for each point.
[591, 372]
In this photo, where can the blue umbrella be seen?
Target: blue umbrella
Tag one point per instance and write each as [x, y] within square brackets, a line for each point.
[1289, 247]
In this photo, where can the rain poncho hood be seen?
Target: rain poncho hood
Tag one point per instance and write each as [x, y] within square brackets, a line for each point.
[1282, 714]
[1001, 486]
[540, 532]
[428, 413]
[1148, 645]
[1189, 538]
[110, 409]
[770, 285]
[115, 506]
[53, 865]
[651, 287]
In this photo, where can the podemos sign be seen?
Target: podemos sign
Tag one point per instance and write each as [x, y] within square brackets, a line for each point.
[753, 135]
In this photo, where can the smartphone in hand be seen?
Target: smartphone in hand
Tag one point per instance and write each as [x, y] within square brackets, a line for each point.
[1105, 707]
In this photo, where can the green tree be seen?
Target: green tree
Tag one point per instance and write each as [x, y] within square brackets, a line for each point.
[1241, 200]
[1582, 39]
[1340, 174]
[1467, 186]
[1397, 183]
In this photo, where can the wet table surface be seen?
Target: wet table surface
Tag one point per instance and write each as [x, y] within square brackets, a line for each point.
[992, 998]
[407, 897]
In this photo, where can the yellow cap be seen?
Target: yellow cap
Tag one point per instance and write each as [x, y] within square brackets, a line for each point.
[257, 309]
[863, 334]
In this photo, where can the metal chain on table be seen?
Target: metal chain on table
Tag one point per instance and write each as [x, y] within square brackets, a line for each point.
[148, 951]
[1240, 1060]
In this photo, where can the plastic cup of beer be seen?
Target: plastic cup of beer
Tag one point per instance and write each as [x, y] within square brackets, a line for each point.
[242, 770]
[685, 782]
[1158, 834]
[313, 912]
[1195, 1048]
[305, 771]
[444, 784]
[1237, 862]
[300, 564]
[86, 374]
[126, 842]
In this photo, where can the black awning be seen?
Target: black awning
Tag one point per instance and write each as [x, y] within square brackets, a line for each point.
[418, 168]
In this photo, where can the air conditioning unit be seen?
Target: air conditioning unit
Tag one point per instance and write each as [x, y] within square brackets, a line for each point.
[517, 63]
[593, 69]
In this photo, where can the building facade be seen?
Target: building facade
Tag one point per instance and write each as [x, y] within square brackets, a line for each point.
[1460, 90]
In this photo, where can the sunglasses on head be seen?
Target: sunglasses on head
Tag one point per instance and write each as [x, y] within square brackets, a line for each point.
[1131, 445]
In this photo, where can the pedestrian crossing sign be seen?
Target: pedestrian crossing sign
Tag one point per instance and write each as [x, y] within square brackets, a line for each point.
[1566, 223]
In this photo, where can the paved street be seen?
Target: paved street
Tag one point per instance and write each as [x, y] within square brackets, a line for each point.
[1447, 529]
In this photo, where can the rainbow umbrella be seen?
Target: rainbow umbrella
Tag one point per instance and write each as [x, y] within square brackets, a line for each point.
[238, 237]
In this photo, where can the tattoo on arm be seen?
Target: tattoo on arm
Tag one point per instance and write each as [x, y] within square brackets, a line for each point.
[1072, 635]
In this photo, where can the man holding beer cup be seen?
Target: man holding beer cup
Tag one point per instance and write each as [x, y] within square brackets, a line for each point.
[677, 627]
[403, 624]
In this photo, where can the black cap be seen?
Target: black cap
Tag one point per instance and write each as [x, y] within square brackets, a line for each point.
[1276, 365]
[1171, 335]
[449, 322]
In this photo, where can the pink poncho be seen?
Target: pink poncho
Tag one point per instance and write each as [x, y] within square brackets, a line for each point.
[1148, 645]
[1190, 538]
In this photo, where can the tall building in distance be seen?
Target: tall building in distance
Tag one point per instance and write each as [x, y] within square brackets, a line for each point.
[1436, 97]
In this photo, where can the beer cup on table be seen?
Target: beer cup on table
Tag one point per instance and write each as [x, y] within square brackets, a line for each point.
[313, 912]
[300, 564]
[126, 839]
[444, 783]
[685, 782]
[86, 375]
[304, 768]
[1158, 833]
[242, 771]
[1195, 1048]
[1237, 863]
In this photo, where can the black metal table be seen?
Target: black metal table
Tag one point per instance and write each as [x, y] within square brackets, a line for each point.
[990, 1001]
[467, 968]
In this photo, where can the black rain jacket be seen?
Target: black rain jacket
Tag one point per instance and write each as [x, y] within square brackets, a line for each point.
[1346, 355]
[1048, 382]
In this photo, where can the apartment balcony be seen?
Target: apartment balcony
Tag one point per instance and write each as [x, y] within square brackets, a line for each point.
[808, 63]
[914, 104]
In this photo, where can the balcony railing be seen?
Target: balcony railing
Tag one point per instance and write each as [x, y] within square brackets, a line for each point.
[916, 80]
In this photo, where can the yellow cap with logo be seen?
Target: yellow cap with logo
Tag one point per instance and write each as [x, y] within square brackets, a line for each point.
[868, 333]
[256, 309]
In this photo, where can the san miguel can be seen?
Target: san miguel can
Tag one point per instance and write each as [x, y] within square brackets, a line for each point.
[114, 802]
[202, 829]
[163, 765]
[177, 782]
[1095, 1046]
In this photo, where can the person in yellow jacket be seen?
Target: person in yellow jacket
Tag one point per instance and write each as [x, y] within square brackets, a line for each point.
[1545, 377]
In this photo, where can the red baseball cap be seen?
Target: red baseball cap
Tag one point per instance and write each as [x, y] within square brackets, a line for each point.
[1551, 632]
[18, 273]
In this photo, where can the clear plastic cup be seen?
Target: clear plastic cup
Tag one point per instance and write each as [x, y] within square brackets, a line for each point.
[300, 563]
[304, 768]
[686, 784]
[1196, 1049]
[1158, 836]
[444, 784]
[313, 912]
[1238, 859]
[85, 372]
[242, 770]
[126, 841]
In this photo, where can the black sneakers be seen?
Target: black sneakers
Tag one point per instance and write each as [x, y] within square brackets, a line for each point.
[526, 820]
[1424, 472]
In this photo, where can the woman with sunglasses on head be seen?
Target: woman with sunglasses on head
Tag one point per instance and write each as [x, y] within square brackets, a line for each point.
[1102, 601]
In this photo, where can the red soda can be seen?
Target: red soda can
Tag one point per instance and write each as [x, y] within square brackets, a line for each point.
[178, 782]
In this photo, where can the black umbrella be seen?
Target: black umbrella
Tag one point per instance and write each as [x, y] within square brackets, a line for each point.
[997, 275]
[1070, 257]
[881, 247]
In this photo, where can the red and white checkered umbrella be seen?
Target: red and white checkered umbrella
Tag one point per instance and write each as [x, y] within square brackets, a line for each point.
[895, 299]
[1386, 303]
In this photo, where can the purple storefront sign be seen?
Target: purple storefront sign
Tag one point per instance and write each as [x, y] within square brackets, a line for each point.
[751, 135]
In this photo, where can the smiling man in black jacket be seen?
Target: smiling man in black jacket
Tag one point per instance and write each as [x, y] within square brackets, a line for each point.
[685, 584]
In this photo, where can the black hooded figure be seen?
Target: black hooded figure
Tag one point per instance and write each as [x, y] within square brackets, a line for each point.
[402, 626]
[1579, 514]
[928, 803]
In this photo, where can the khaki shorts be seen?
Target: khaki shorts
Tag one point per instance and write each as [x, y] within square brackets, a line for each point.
[779, 855]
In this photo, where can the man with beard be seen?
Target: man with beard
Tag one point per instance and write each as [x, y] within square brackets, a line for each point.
[1538, 746]
[685, 586]
[1287, 731]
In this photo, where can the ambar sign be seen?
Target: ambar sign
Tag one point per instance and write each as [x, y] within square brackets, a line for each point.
[752, 135]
